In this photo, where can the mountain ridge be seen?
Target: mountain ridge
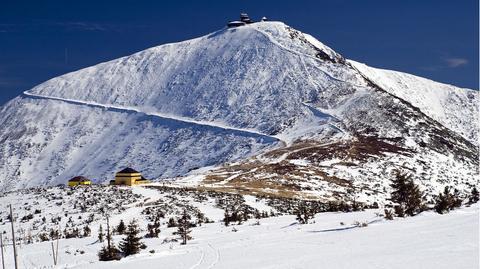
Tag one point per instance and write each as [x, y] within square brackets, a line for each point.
[237, 93]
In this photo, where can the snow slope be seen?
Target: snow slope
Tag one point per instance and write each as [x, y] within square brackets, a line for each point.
[241, 77]
[426, 241]
[97, 141]
[454, 107]
[219, 98]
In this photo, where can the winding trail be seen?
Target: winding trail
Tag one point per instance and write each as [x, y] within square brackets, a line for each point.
[243, 132]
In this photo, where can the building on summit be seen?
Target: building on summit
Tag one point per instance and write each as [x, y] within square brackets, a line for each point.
[244, 20]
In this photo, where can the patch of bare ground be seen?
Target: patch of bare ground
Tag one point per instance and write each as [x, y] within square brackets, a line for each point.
[297, 146]
[281, 179]
[360, 149]
[259, 190]
[273, 174]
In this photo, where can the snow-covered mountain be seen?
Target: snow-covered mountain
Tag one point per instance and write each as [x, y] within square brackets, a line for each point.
[233, 94]
[454, 107]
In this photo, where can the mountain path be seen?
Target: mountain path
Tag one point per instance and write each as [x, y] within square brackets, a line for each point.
[156, 114]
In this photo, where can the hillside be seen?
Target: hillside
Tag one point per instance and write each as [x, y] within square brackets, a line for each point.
[259, 105]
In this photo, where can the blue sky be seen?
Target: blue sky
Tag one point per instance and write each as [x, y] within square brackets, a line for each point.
[43, 39]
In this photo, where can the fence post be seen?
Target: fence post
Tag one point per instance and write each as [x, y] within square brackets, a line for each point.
[13, 238]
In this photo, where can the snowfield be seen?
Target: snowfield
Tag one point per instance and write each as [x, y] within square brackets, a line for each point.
[428, 240]
[225, 97]
[450, 105]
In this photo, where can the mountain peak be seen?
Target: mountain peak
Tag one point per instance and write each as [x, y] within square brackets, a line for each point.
[224, 97]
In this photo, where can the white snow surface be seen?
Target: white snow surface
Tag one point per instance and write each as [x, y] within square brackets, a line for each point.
[219, 98]
[454, 107]
[426, 241]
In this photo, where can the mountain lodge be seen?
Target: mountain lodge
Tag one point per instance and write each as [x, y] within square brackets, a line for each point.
[129, 177]
[244, 19]
[79, 180]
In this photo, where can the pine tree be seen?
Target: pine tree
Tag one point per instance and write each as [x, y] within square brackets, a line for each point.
[54, 234]
[153, 228]
[226, 217]
[75, 233]
[172, 223]
[442, 201]
[109, 252]
[200, 218]
[183, 228]
[304, 213]
[388, 214]
[474, 196]
[121, 227]
[352, 193]
[131, 243]
[447, 201]
[457, 200]
[100, 233]
[86, 231]
[406, 194]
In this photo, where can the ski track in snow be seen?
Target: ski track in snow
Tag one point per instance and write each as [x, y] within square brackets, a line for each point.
[200, 261]
[217, 256]
[159, 115]
[210, 256]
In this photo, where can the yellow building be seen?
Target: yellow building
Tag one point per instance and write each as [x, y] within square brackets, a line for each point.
[79, 180]
[130, 177]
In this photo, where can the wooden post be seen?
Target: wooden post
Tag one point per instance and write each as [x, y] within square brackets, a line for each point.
[108, 234]
[1, 247]
[56, 252]
[13, 238]
[53, 255]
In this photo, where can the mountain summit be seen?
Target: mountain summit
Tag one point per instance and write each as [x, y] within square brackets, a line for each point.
[262, 95]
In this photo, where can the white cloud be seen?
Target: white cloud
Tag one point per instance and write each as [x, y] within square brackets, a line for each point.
[455, 62]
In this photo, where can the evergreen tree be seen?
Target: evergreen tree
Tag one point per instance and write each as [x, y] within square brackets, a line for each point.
[75, 233]
[388, 214]
[121, 227]
[447, 201]
[100, 233]
[54, 234]
[226, 217]
[442, 201]
[153, 228]
[457, 200]
[131, 243]
[43, 237]
[352, 194]
[200, 218]
[235, 210]
[183, 228]
[86, 231]
[304, 213]
[474, 197]
[109, 252]
[172, 223]
[406, 194]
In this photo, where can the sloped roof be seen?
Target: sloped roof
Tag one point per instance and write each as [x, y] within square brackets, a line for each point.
[236, 23]
[79, 179]
[129, 170]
